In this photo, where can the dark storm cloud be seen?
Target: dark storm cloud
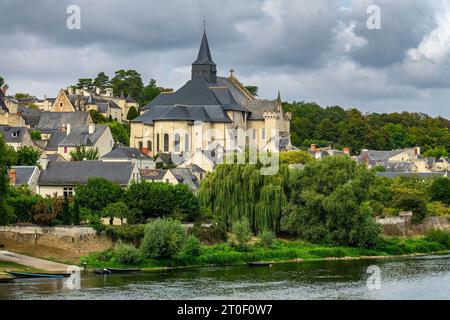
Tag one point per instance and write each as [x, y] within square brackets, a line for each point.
[317, 50]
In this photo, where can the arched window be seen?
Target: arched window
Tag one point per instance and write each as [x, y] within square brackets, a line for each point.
[186, 142]
[176, 142]
[166, 142]
[157, 143]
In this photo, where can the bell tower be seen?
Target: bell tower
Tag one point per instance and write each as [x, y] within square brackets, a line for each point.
[204, 66]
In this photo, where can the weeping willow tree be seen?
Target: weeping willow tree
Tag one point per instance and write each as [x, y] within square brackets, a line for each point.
[233, 192]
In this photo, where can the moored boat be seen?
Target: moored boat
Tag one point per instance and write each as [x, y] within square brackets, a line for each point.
[115, 270]
[260, 264]
[39, 275]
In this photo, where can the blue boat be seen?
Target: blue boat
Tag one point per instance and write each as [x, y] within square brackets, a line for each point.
[39, 275]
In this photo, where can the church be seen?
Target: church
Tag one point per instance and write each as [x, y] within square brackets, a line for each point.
[208, 114]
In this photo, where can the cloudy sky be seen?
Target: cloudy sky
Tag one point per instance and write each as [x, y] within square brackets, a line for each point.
[317, 50]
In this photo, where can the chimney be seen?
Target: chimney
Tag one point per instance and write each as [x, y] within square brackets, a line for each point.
[12, 176]
[347, 151]
[68, 128]
[313, 148]
[91, 128]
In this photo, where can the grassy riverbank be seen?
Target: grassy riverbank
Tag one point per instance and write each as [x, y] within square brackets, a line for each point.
[225, 254]
[11, 266]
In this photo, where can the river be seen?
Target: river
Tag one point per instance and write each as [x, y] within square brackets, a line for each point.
[411, 278]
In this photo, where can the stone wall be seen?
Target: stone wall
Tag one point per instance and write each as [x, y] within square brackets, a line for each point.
[67, 241]
[402, 226]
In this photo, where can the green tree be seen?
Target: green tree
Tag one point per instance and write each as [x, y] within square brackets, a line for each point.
[193, 246]
[28, 156]
[242, 231]
[149, 92]
[7, 158]
[98, 193]
[295, 156]
[2, 81]
[35, 135]
[253, 90]
[162, 200]
[102, 82]
[127, 82]
[85, 83]
[163, 239]
[440, 190]
[132, 113]
[82, 153]
[66, 216]
[120, 132]
[233, 192]
[116, 210]
[329, 204]
[97, 117]
[76, 213]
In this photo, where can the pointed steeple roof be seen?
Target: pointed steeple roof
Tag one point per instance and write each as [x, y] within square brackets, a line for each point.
[204, 54]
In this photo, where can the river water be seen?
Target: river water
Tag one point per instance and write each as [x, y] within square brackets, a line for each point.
[411, 278]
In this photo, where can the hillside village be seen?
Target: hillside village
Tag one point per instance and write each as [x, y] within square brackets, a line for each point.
[170, 139]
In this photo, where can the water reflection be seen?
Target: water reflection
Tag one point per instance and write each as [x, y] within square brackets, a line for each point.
[416, 278]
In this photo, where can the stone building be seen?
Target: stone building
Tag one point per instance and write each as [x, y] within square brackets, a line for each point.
[210, 113]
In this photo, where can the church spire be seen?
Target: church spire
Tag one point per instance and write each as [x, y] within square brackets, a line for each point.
[204, 54]
[204, 65]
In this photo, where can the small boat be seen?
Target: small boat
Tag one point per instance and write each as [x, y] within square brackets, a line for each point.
[260, 264]
[102, 271]
[7, 280]
[114, 270]
[39, 275]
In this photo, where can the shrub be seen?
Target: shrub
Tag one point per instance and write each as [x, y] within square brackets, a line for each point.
[439, 236]
[215, 233]
[440, 190]
[126, 233]
[193, 246]
[127, 254]
[163, 239]
[414, 204]
[267, 238]
[242, 231]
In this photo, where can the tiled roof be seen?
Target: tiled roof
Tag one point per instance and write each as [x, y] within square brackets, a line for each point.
[152, 174]
[12, 134]
[80, 136]
[125, 153]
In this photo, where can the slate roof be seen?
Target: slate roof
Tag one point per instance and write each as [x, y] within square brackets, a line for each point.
[258, 107]
[380, 156]
[78, 172]
[55, 139]
[204, 54]
[30, 115]
[12, 134]
[152, 174]
[185, 176]
[126, 153]
[57, 120]
[23, 174]
[80, 136]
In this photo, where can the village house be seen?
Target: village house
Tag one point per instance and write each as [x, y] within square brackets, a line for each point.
[209, 112]
[320, 153]
[61, 178]
[132, 155]
[16, 137]
[24, 176]
[9, 110]
[74, 99]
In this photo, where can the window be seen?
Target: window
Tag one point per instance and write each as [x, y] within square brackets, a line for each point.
[65, 149]
[157, 143]
[263, 133]
[61, 104]
[68, 192]
[149, 145]
[186, 142]
[254, 134]
[141, 145]
[166, 142]
[176, 142]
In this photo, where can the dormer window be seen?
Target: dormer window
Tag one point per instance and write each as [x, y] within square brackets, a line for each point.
[14, 134]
